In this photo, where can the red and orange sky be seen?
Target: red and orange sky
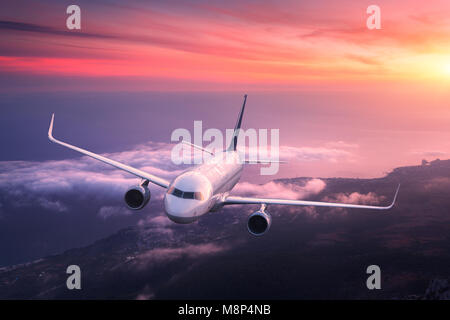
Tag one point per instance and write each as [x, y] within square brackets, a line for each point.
[217, 45]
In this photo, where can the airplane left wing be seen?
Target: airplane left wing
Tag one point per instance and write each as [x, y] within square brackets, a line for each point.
[244, 200]
[144, 175]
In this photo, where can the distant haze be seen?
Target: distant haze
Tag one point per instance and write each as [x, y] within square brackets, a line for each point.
[323, 134]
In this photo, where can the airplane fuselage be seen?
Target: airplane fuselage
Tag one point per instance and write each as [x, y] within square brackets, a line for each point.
[202, 188]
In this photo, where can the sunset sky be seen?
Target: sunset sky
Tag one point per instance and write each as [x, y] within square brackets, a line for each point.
[216, 45]
[357, 102]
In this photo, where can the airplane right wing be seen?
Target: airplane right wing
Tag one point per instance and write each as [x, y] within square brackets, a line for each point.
[245, 200]
[144, 175]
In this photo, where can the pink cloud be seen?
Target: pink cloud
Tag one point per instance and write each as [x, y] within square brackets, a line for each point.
[437, 184]
[157, 224]
[146, 294]
[160, 255]
[280, 190]
[330, 152]
[36, 182]
[110, 211]
[370, 198]
[356, 197]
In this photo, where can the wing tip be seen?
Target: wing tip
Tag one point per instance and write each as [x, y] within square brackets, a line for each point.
[50, 128]
[395, 197]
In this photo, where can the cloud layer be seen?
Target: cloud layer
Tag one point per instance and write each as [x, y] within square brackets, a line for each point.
[42, 183]
[45, 184]
[280, 190]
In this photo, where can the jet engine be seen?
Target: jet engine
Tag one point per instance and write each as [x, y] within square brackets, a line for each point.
[259, 222]
[137, 197]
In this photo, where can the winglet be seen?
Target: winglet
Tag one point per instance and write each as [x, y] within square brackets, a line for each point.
[395, 197]
[50, 129]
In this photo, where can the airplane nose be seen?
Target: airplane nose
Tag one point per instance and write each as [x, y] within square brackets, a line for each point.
[179, 211]
[181, 220]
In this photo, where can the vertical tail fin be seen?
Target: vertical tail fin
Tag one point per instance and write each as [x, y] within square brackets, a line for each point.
[234, 140]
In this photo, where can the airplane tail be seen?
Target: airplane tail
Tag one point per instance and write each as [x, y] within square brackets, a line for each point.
[234, 140]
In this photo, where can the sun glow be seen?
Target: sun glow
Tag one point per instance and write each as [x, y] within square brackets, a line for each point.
[447, 68]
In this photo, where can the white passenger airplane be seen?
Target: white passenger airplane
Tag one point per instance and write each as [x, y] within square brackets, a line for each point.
[206, 187]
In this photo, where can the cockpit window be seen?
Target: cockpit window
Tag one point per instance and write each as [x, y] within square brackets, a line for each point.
[185, 194]
[177, 192]
[188, 195]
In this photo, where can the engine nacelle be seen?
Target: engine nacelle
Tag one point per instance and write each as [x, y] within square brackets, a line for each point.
[259, 222]
[137, 197]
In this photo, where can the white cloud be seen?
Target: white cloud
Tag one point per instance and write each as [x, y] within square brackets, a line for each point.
[160, 255]
[158, 221]
[160, 224]
[52, 205]
[39, 183]
[331, 154]
[146, 294]
[370, 198]
[280, 190]
[331, 151]
[341, 144]
[356, 198]
[437, 184]
[111, 211]
[36, 183]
